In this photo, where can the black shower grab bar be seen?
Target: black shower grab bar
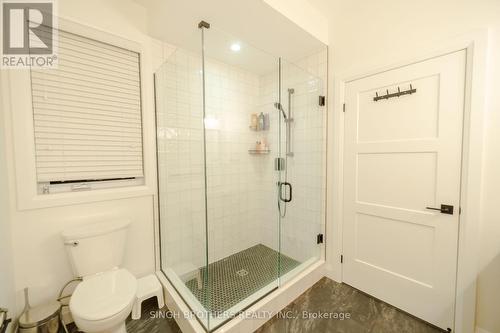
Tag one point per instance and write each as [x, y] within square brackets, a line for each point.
[396, 94]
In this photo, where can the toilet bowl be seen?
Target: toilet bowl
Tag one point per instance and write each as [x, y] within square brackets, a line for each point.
[101, 303]
[104, 299]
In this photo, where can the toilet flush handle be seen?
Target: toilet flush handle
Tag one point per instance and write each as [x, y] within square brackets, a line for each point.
[71, 243]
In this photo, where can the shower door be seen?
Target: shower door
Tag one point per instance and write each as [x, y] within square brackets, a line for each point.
[303, 150]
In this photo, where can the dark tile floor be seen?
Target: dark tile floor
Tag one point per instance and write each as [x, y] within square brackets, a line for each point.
[366, 315]
[149, 324]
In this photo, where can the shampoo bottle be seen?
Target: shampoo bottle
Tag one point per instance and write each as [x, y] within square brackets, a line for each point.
[261, 121]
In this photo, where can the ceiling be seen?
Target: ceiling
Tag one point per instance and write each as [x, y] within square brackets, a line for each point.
[262, 32]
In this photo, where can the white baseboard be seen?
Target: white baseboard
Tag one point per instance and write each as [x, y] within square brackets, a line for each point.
[481, 330]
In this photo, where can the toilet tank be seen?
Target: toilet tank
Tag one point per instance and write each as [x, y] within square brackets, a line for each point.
[96, 247]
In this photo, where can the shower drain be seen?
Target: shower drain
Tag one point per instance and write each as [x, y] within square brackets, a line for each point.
[242, 272]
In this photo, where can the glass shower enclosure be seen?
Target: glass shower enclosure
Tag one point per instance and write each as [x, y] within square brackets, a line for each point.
[241, 154]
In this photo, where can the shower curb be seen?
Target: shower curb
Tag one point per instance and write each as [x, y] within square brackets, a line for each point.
[272, 303]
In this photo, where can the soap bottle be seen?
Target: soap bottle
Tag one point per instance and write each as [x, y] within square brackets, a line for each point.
[261, 121]
[266, 121]
[263, 144]
[254, 121]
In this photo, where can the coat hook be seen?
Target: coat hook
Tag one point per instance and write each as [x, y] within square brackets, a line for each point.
[394, 94]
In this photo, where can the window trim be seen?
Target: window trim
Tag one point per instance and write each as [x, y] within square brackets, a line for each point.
[17, 92]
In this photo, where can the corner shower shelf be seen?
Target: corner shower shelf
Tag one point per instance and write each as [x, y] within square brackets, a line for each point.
[259, 151]
[258, 130]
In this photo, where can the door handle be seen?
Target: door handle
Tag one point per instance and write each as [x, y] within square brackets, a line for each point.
[445, 209]
[281, 191]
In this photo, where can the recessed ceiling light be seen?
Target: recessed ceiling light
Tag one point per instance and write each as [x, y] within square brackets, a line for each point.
[235, 47]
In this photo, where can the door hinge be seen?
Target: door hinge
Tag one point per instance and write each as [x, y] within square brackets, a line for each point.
[459, 210]
[322, 101]
[319, 239]
[343, 108]
[341, 258]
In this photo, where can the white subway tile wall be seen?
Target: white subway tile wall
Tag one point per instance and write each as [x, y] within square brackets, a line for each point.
[233, 175]
[180, 162]
[241, 187]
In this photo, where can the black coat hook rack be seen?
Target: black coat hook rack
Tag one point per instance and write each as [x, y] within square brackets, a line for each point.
[396, 94]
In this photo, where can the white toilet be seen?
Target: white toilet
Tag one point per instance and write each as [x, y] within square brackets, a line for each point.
[104, 299]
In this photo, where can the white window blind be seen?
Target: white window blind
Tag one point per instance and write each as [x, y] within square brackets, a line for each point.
[87, 113]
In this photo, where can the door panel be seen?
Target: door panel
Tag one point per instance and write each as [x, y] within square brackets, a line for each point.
[373, 124]
[383, 179]
[402, 155]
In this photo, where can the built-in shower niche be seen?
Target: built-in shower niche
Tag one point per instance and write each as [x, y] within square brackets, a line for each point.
[224, 241]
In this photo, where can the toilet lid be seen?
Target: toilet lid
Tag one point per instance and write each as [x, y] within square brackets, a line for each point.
[104, 295]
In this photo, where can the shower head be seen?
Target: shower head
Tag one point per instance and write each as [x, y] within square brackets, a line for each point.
[280, 108]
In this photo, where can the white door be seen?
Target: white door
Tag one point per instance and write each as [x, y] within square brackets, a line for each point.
[403, 154]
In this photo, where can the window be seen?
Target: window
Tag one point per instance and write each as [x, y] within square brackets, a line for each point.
[87, 117]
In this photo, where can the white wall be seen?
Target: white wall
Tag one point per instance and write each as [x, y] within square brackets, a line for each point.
[488, 301]
[7, 286]
[365, 35]
[40, 259]
[305, 15]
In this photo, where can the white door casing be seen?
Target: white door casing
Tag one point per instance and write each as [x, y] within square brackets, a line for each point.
[402, 155]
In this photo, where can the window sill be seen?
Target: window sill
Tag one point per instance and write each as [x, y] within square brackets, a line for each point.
[73, 198]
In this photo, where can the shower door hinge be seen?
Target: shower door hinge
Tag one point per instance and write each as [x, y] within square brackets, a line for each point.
[319, 239]
[279, 164]
[203, 24]
[341, 258]
[343, 108]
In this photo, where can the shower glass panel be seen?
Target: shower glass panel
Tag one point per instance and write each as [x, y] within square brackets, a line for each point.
[243, 265]
[241, 179]
[303, 149]
[180, 159]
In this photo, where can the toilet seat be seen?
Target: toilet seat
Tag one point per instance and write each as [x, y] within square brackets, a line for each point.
[104, 295]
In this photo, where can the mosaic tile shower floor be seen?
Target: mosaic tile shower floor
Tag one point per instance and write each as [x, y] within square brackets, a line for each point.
[234, 278]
